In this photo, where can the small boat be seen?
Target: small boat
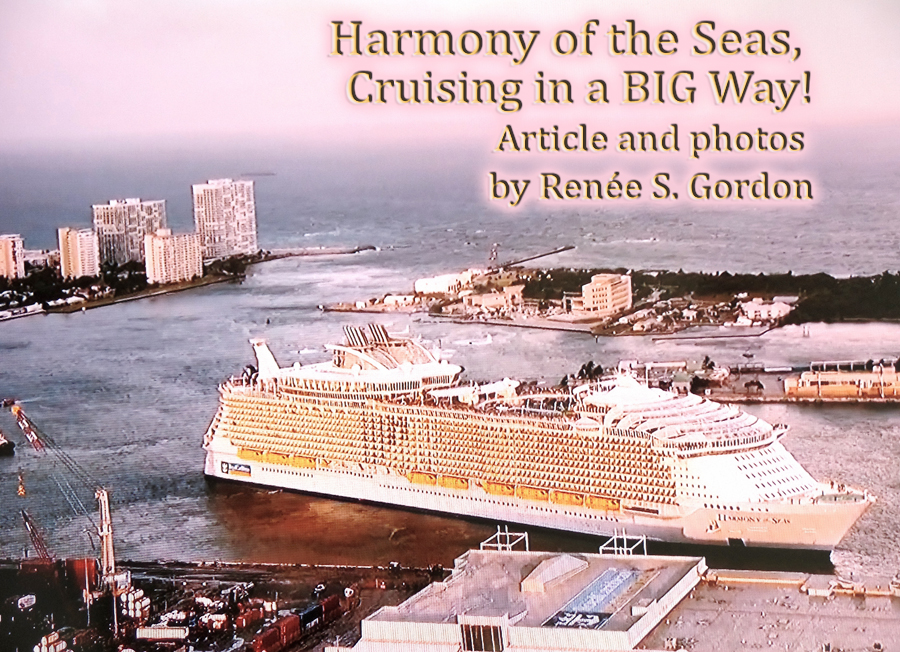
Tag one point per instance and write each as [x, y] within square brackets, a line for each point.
[7, 448]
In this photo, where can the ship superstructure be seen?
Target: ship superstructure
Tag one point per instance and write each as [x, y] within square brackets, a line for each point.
[387, 421]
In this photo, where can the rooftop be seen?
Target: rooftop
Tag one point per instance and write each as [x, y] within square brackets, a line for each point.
[533, 588]
[536, 601]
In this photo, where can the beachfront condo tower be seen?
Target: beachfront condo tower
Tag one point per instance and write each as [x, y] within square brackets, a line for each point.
[12, 256]
[122, 224]
[225, 214]
[172, 258]
[79, 252]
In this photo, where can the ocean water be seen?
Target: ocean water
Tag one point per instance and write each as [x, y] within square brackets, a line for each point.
[128, 390]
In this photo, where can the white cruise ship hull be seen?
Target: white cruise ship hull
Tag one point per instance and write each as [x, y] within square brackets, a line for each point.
[773, 526]
[386, 421]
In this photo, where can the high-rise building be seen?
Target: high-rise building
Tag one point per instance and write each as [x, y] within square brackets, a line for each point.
[12, 256]
[172, 258]
[79, 253]
[607, 294]
[225, 214]
[122, 224]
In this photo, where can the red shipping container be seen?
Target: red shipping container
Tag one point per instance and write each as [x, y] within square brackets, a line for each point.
[82, 573]
[248, 618]
[289, 627]
[269, 640]
[331, 608]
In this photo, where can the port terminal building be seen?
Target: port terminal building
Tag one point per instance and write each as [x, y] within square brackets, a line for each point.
[880, 382]
[498, 600]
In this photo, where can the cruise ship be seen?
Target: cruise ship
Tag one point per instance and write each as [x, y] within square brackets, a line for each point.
[386, 420]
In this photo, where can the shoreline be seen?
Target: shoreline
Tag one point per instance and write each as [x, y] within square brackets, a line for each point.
[203, 281]
[750, 400]
[545, 324]
[278, 254]
[143, 294]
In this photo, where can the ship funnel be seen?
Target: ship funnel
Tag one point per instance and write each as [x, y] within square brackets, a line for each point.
[379, 333]
[265, 361]
[356, 337]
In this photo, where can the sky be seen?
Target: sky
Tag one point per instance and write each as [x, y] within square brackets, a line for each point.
[94, 71]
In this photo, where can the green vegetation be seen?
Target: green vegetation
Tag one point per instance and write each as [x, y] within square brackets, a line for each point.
[547, 284]
[822, 297]
[861, 297]
[43, 284]
[124, 279]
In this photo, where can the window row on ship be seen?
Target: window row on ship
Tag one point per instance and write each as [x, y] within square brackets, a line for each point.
[628, 490]
[563, 461]
[461, 415]
[435, 494]
[537, 456]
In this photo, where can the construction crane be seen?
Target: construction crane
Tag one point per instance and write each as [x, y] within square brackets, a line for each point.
[45, 445]
[37, 540]
[42, 443]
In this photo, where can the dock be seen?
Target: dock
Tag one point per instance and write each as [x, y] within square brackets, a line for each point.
[749, 610]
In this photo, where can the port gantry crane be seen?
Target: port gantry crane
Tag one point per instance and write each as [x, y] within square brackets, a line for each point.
[43, 444]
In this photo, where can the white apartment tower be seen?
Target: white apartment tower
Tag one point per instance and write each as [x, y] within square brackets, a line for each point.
[122, 224]
[12, 256]
[172, 258]
[79, 253]
[607, 294]
[225, 214]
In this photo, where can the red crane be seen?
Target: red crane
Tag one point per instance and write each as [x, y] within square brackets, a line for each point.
[36, 539]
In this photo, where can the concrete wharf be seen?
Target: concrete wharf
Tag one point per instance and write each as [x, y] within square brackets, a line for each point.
[751, 610]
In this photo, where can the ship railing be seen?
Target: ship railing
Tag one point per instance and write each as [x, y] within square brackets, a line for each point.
[840, 493]
[631, 434]
[253, 389]
[522, 410]
[714, 432]
[685, 406]
[696, 448]
[441, 410]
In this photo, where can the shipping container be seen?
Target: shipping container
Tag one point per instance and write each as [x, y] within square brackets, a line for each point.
[311, 617]
[249, 617]
[50, 638]
[161, 633]
[331, 608]
[214, 621]
[289, 627]
[268, 640]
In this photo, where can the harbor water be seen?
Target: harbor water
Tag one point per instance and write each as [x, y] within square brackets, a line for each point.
[128, 390]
